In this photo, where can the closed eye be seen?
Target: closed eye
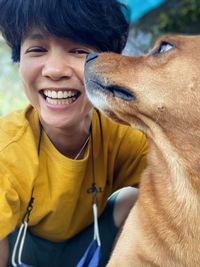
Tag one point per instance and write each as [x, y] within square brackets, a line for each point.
[80, 51]
[163, 48]
[36, 50]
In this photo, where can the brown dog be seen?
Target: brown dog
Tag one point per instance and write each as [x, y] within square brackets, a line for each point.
[158, 93]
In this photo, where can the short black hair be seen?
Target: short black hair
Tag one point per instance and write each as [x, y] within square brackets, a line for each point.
[98, 23]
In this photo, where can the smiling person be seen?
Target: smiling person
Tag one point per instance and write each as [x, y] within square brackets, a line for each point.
[59, 155]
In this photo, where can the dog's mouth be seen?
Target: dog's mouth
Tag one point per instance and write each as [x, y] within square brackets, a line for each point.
[114, 91]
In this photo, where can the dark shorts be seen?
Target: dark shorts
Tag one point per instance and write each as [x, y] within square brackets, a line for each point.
[42, 253]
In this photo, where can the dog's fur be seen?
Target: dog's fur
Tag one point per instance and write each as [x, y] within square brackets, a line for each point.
[163, 228]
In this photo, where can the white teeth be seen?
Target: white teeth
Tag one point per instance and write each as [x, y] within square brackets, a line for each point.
[54, 94]
[60, 101]
[49, 93]
[59, 94]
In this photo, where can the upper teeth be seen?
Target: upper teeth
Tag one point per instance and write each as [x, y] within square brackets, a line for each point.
[59, 94]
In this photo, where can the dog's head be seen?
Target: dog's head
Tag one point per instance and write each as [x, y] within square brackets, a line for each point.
[162, 86]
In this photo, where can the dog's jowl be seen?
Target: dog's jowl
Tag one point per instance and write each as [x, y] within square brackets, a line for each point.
[159, 93]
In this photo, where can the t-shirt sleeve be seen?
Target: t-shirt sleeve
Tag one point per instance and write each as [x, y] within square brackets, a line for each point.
[131, 159]
[9, 205]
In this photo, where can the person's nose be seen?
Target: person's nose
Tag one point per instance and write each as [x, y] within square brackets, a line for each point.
[57, 67]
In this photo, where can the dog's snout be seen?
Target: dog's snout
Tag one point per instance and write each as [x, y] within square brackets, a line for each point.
[90, 57]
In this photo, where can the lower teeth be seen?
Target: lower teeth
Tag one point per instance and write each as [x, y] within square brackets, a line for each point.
[60, 101]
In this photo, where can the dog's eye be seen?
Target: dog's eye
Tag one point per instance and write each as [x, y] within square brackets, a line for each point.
[164, 47]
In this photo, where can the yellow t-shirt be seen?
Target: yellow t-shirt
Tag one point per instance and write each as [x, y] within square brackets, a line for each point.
[62, 206]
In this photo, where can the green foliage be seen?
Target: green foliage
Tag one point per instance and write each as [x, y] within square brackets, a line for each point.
[181, 16]
[11, 92]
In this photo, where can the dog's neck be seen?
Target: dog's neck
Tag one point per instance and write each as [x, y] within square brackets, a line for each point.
[173, 180]
[174, 157]
[181, 146]
[175, 142]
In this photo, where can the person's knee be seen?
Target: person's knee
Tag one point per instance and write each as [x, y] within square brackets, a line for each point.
[3, 252]
[124, 202]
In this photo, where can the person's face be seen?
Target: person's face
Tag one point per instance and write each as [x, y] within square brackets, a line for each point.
[51, 70]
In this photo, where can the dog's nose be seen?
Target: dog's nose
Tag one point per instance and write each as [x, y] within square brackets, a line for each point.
[91, 57]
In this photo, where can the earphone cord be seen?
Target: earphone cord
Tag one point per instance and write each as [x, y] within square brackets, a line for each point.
[94, 190]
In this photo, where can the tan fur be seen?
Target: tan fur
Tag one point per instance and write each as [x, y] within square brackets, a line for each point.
[163, 228]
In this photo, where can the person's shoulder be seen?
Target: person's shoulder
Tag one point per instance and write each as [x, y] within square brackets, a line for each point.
[13, 126]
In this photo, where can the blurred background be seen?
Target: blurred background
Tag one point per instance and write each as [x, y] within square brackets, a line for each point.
[149, 19]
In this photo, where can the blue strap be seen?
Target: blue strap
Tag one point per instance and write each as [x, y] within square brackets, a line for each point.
[95, 259]
[91, 256]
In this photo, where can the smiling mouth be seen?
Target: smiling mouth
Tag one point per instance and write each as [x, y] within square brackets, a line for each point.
[60, 97]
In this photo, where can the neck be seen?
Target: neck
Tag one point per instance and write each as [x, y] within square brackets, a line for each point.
[170, 140]
[70, 140]
[184, 144]
[174, 165]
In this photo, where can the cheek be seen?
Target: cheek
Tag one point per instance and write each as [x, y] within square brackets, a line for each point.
[80, 70]
[30, 68]
[28, 77]
[26, 72]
